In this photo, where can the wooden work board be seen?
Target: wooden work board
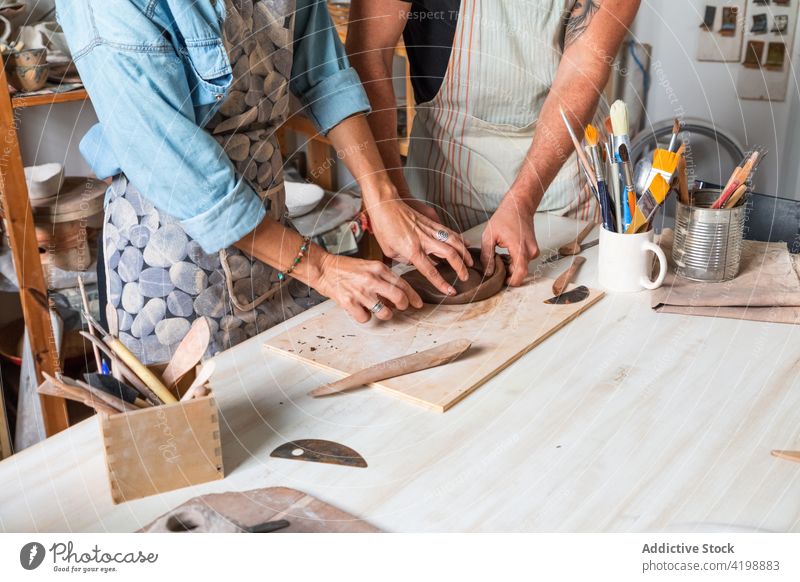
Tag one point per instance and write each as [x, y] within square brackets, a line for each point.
[502, 329]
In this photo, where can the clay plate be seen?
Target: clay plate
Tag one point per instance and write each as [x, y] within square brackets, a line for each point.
[476, 288]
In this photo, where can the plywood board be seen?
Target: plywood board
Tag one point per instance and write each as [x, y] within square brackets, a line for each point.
[502, 329]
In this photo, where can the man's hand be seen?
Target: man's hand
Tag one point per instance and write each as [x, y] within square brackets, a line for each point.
[511, 228]
[423, 208]
[407, 236]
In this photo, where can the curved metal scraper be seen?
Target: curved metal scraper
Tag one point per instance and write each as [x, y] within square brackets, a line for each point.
[319, 451]
[575, 296]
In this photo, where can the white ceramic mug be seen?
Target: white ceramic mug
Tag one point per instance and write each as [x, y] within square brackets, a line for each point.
[626, 261]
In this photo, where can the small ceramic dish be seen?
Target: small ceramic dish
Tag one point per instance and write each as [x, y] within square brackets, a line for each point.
[44, 181]
[302, 198]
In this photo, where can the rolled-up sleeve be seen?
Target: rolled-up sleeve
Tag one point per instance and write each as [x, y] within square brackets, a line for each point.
[323, 80]
[144, 105]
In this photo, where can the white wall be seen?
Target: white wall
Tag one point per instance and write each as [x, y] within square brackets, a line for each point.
[708, 90]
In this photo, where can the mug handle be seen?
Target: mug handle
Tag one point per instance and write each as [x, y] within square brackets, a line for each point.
[662, 266]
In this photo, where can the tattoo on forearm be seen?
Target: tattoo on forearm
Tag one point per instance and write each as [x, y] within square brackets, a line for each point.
[579, 18]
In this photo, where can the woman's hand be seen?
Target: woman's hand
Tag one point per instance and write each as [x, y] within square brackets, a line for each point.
[358, 286]
[408, 236]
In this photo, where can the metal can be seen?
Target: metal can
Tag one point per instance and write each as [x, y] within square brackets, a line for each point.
[708, 242]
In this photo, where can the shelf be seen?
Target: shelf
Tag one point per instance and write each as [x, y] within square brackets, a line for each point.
[49, 99]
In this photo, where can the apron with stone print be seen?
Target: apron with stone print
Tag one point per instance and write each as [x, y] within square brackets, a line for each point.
[469, 142]
[159, 279]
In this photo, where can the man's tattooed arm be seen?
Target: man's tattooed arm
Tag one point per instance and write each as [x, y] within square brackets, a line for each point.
[579, 19]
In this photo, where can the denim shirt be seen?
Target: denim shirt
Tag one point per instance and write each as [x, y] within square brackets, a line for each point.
[157, 71]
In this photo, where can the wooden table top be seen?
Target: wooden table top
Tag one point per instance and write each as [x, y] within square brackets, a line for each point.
[625, 420]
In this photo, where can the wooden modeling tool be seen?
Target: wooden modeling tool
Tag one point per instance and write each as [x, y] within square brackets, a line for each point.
[787, 455]
[94, 399]
[560, 285]
[85, 302]
[430, 358]
[683, 181]
[319, 451]
[574, 247]
[188, 353]
[198, 387]
[736, 196]
[124, 372]
[50, 388]
[152, 381]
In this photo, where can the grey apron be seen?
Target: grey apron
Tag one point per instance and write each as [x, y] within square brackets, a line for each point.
[159, 280]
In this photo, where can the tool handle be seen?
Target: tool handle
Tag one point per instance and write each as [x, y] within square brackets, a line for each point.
[606, 207]
[149, 378]
[560, 285]
[424, 360]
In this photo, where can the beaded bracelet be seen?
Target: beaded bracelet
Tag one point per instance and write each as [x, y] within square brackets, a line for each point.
[300, 254]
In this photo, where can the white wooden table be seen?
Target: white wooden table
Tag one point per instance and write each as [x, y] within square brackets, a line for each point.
[625, 420]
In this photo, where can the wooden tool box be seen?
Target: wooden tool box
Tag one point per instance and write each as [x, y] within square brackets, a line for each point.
[162, 448]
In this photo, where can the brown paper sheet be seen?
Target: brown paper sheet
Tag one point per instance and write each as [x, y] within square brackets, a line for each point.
[766, 289]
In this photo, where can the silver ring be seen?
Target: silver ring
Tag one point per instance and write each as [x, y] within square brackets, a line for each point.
[442, 235]
[377, 307]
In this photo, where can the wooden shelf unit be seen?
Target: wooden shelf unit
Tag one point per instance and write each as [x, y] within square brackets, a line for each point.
[18, 215]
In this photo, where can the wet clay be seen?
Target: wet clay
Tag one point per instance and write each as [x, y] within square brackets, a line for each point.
[476, 288]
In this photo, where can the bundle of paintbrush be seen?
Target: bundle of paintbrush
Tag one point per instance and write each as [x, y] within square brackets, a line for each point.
[592, 167]
[736, 187]
[636, 207]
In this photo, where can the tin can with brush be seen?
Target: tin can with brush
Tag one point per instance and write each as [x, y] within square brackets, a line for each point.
[708, 241]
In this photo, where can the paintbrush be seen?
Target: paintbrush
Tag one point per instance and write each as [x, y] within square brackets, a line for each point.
[665, 163]
[740, 176]
[606, 204]
[629, 198]
[619, 125]
[582, 159]
[676, 129]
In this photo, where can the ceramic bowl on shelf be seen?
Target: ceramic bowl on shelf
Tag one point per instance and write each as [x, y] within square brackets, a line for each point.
[44, 181]
[302, 198]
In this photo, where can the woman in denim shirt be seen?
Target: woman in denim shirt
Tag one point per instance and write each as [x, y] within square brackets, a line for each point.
[189, 96]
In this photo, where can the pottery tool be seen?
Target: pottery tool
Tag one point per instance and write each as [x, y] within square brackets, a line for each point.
[124, 372]
[52, 387]
[740, 176]
[673, 142]
[188, 353]
[736, 196]
[109, 399]
[787, 455]
[111, 385]
[619, 125]
[85, 301]
[574, 296]
[424, 360]
[319, 451]
[152, 381]
[198, 387]
[558, 256]
[683, 180]
[664, 165]
[560, 285]
[606, 203]
[574, 246]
